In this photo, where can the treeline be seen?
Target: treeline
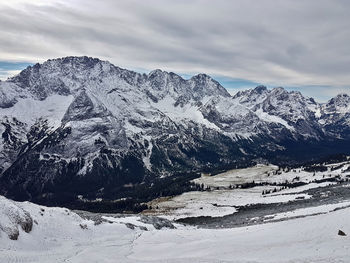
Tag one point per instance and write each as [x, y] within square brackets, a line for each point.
[133, 198]
[334, 158]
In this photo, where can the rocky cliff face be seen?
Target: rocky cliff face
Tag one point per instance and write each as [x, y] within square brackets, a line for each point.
[79, 125]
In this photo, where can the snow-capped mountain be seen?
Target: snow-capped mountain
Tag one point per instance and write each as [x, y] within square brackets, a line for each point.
[79, 125]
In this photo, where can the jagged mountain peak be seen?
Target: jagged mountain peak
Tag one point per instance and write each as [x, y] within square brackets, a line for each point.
[70, 63]
[260, 89]
[338, 104]
[204, 85]
[160, 84]
[291, 108]
[341, 100]
[201, 76]
[66, 75]
[81, 61]
[281, 93]
[86, 121]
[251, 97]
[342, 97]
[58, 76]
[157, 72]
[278, 90]
[161, 78]
[261, 93]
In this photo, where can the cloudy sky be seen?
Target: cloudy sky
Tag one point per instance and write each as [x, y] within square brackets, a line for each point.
[301, 45]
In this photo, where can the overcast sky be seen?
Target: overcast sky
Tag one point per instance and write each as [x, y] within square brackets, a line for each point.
[303, 45]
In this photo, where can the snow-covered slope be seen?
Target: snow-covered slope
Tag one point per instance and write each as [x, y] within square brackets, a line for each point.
[60, 235]
[86, 123]
[33, 233]
[312, 239]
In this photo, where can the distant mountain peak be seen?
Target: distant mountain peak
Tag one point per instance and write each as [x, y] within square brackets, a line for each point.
[75, 116]
[260, 89]
[202, 76]
[76, 59]
[342, 96]
[156, 72]
[279, 90]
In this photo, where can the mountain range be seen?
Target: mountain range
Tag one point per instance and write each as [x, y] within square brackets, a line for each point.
[79, 126]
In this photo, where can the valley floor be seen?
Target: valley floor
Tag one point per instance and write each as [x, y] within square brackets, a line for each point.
[244, 225]
[254, 195]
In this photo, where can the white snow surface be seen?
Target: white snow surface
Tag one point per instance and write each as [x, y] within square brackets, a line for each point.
[312, 239]
[29, 110]
[271, 118]
[216, 203]
[59, 235]
[271, 174]
[309, 211]
[189, 112]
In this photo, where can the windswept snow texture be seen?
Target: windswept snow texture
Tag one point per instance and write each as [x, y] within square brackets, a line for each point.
[59, 235]
[80, 121]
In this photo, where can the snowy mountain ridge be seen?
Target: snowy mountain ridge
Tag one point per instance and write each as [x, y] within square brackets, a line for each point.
[86, 119]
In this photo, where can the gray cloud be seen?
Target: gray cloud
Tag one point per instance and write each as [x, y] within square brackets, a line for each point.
[276, 42]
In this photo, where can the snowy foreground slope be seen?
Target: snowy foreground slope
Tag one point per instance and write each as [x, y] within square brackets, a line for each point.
[59, 235]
